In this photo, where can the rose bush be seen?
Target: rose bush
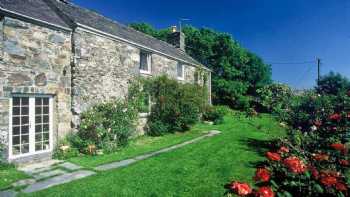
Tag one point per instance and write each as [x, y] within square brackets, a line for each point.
[313, 160]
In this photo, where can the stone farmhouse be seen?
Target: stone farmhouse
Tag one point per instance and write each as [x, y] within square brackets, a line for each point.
[58, 59]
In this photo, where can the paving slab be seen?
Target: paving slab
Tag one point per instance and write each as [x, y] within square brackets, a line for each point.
[57, 180]
[48, 174]
[115, 165]
[127, 162]
[69, 166]
[8, 193]
[23, 182]
[39, 167]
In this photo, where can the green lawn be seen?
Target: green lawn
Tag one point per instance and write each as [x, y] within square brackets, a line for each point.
[139, 146]
[8, 175]
[199, 169]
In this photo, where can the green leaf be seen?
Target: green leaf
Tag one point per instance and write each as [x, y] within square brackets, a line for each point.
[318, 188]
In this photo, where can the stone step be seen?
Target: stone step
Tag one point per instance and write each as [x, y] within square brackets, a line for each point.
[57, 180]
[39, 167]
[23, 182]
[48, 174]
[69, 166]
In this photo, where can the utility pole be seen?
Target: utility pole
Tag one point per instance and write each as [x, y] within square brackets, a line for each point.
[318, 71]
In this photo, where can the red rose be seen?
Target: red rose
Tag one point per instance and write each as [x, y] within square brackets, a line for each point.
[295, 165]
[241, 189]
[273, 156]
[338, 146]
[336, 117]
[328, 180]
[318, 123]
[265, 192]
[344, 162]
[321, 157]
[314, 172]
[341, 187]
[262, 174]
[283, 149]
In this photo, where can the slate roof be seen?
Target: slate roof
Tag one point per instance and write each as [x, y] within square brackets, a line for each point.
[57, 13]
[36, 9]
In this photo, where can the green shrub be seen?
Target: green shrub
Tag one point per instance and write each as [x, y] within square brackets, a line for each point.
[275, 97]
[107, 126]
[215, 114]
[243, 103]
[65, 148]
[175, 106]
[157, 128]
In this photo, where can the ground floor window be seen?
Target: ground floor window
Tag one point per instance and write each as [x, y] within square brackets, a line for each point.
[30, 124]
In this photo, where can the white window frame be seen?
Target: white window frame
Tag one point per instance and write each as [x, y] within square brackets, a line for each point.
[31, 125]
[149, 62]
[183, 71]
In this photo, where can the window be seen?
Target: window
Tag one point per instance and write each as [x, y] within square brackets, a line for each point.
[30, 125]
[145, 62]
[180, 71]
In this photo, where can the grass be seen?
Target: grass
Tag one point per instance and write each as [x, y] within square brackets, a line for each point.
[199, 169]
[9, 175]
[138, 146]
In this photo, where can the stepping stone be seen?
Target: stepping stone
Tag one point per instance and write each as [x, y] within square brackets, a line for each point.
[58, 180]
[70, 166]
[38, 170]
[8, 193]
[127, 162]
[48, 174]
[115, 165]
[23, 183]
[38, 167]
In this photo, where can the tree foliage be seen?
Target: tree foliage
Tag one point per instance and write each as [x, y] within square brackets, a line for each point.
[333, 83]
[236, 71]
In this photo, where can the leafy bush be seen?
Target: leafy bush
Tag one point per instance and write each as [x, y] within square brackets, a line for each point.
[215, 114]
[275, 97]
[175, 106]
[107, 126]
[68, 147]
[313, 159]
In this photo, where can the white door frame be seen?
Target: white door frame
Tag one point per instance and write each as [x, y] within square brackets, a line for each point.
[31, 125]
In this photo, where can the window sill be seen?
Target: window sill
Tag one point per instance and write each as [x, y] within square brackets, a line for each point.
[181, 78]
[145, 72]
[143, 115]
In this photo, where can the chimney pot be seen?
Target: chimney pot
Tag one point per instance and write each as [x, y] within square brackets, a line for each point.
[177, 38]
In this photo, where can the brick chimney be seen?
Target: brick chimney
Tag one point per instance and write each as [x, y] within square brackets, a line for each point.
[177, 38]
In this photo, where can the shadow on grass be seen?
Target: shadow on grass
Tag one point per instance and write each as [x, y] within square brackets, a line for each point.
[260, 147]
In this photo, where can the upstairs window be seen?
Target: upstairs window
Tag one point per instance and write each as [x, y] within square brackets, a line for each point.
[145, 62]
[180, 71]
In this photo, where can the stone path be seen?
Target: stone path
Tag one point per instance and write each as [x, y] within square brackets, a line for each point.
[127, 162]
[54, 172]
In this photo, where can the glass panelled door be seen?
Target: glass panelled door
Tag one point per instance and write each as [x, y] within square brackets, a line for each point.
[30, 125]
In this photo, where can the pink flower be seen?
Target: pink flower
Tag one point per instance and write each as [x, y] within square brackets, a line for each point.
[273, 156]
[336, 117]
[262, 174]
[295, 165]
[265, 192]
[283, 149]
[241, 189]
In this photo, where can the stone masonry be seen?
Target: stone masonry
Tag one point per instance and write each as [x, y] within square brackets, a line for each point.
[34, 60]
[77, 65]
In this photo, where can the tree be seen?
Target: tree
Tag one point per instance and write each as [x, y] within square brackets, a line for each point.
[333, 83]
[236, 73]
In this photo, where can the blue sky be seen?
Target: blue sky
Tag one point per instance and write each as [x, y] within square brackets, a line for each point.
[280, 31]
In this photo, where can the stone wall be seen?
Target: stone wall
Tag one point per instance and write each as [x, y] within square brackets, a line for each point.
[103, 68]
[35, 60]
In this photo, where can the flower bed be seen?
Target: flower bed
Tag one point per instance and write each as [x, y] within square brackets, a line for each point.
[313, 160]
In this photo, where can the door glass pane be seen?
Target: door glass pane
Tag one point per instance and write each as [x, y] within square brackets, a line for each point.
[42, 124]
[20, 125]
